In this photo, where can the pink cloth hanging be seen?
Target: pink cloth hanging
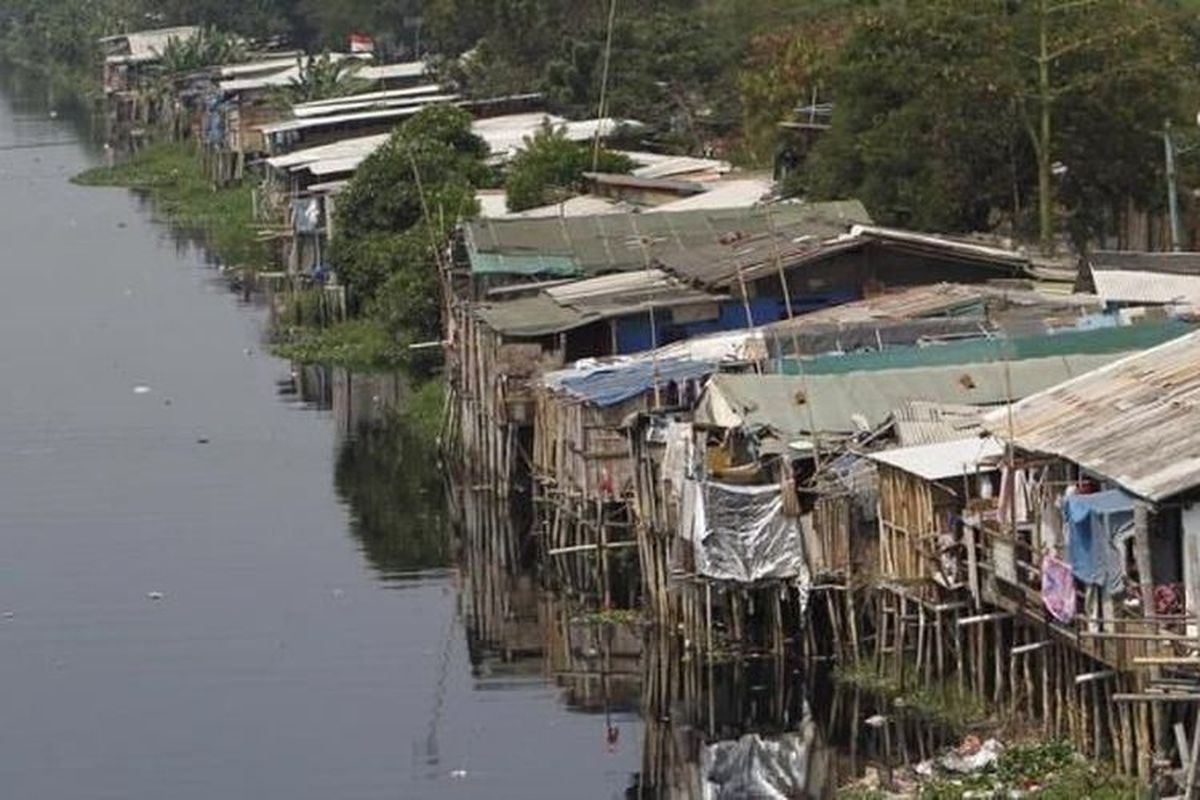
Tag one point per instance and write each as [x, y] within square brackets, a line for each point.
[1058, 588]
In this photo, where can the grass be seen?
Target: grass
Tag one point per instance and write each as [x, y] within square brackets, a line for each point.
[172, 175]
[1049, 770]
[421, 416]
[612, 616]
[942, 703]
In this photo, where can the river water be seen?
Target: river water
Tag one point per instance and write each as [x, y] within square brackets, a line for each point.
[206, 591]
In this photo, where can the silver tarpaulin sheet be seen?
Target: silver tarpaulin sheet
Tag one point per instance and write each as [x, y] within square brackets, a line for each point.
[741, 534]
[789, 767]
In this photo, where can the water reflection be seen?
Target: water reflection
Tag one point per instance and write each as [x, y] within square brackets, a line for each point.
[394, 496]
[383, 472]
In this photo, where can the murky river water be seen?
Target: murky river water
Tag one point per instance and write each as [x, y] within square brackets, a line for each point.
[206, 593]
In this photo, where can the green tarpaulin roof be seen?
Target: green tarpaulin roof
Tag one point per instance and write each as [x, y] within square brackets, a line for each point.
[592, 245]
[790, 406]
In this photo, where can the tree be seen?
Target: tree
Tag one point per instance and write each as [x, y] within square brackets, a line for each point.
[396, 216]
[1082, 48]
[550, 167]
[323, 77]
[205, 48]
[943, 120]
[784, 70]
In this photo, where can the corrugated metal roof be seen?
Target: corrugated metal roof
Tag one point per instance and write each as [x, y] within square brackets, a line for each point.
[1135, 422]
[922, 422]
[266, 64]
[389, 99]
[657, 165]
[623, 242]
[1127, 286]
[942, 460]
[532, 316]
[393, 72]
[359, 147]
[739, 193]
[346, 155]
[635, 182]
[787, 234]
[1137, 261]
[941, 299]
[960, 248]
[280, 78]
[570, 305]
[830, 231]
[582, 206]
[401, 111]
[506, 141]
[795, 405]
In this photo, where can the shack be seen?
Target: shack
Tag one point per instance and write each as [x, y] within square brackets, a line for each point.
[129, 61]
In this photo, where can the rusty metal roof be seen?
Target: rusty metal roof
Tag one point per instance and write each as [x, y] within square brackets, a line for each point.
[1135, 422]
[942, 299]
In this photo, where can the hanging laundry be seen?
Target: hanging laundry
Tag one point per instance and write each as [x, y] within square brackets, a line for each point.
[1097, 526]
[1058, 588]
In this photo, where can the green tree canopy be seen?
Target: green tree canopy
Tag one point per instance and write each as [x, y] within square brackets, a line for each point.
[395, 218]
[939, 111]
[550, 168]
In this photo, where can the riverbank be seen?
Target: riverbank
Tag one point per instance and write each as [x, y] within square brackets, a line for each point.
[171, 174]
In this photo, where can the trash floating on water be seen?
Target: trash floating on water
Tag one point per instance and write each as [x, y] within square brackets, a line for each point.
[141, 389]
[202, 440]
[154, 596]
[338, 593]
[458, 773]
[9, 614]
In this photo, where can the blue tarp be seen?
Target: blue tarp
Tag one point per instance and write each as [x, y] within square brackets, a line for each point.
[609, 386]
[1097, 525]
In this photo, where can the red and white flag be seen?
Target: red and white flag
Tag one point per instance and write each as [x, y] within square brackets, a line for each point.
[361, 43]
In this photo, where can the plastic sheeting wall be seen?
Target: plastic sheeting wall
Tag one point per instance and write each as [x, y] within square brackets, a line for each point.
[741, 534]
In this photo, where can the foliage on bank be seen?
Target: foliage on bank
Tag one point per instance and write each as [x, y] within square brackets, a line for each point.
[172, 175]
[395, 219]
[363, 344]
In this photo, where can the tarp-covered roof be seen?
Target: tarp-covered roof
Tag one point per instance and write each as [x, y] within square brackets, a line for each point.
[793, 405]
[623, 242]
[612, 384]
[1135, 421]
